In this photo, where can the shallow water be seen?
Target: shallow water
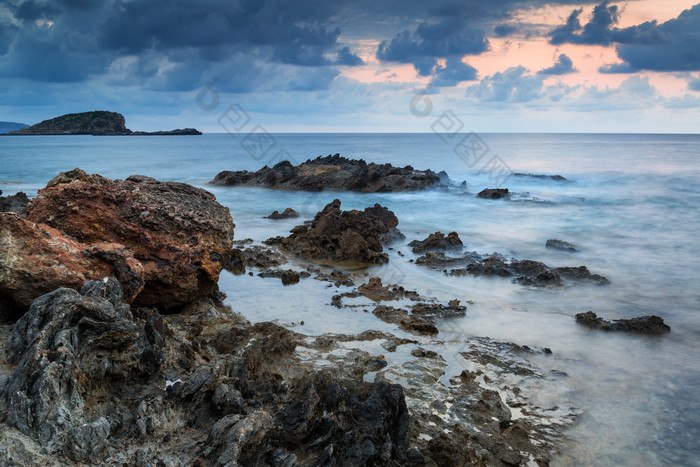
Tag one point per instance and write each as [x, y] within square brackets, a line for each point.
[630, 206]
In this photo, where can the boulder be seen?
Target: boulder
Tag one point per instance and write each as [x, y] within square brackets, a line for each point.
[437, 242]
[555, 244]
[494, 193]
[180, 234]
[36, 259]
[342, 236]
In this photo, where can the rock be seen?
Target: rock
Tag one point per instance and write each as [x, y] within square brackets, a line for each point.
[580, 273]
[180, 234]
[16, 203]
[557, 178]
[494, 193]
[437, 242]
[405, 320]
[36, 259]
[334, 173]
[342, 236]
[288, 213]
[337, 277]
[560, 245]
[642, 324]
[374, 290]
[288, 276]
[253, 257]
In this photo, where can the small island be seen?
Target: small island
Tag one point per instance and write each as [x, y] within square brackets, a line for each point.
[96, 123]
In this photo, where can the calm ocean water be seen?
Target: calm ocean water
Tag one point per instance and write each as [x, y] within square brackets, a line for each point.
[631, 205]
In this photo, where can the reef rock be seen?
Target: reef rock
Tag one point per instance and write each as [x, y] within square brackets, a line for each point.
[555, 244]
[335, 173]
[437, 242]
[494, 193]
[342, 236]
[15, 203]
[180, 234]
[642, 324]
[288, 213]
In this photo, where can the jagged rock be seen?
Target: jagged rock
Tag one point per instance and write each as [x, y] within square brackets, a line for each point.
[494, 193]
[288, 213]
[642, 324]
[180, 234]
[560, 245]
[334, 173]
[336, 277]
[341, 236]
[253, 257]
[288, 276]
[36, 259]
[16, 203]
[437, 242]
[580, 273]
[405, 320]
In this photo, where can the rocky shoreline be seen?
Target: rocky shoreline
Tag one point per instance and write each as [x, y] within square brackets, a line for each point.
[118, 348]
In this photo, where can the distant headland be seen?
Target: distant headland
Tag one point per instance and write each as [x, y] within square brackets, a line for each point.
[96, 123]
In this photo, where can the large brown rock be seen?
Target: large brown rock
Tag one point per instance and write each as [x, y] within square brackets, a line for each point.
[179, 233]
[36, 259]
[338, 236]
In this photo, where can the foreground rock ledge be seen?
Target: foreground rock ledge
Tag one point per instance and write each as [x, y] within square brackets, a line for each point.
[84, 226]
[97, 381]
[335, 173]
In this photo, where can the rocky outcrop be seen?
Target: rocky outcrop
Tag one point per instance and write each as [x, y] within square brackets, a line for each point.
[166, 242]
[98, 123]
[437, 242]
[642, 324]
[337, 236]
[15, 203]
[288, 213]
[555, 244]
[494, 193]
[8, 127]
[36, 259]
[335, 173]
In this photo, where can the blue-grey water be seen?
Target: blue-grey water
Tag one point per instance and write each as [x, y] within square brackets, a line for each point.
[631, 205]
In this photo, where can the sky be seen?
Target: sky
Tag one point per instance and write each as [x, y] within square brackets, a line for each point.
[356, 66]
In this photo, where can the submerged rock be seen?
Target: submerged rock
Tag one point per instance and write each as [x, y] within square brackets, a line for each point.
[494, 193]
[334, 173]
[288, 213]
[557, 178]
[180, 234]
[437, 242]
[560, 245]
[342, 236]
[642, 324]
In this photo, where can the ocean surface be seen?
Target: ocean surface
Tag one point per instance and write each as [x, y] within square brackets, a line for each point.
[631, 204]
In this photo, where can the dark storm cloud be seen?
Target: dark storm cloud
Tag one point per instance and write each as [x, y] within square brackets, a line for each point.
[694, 84]
[670, 46]
[563, 66]
[454, 72]
[504, 30]
[348, 58]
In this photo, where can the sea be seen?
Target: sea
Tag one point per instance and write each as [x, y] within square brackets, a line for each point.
[630, 204]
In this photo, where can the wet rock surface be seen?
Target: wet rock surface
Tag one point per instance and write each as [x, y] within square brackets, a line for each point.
[15, 203]
[437, 242]
[342, 236]
[253, 256]
[288, 213]
[335, 173]
[525, 272]
[555, 244]
[643, 324]
[179, 233]
[98, 381]
[494, 193]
